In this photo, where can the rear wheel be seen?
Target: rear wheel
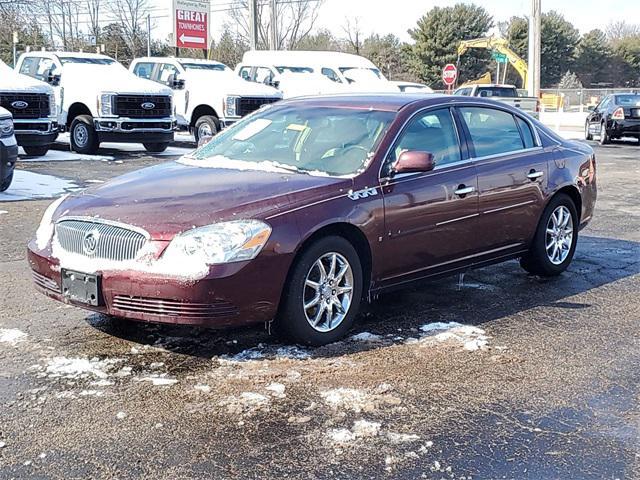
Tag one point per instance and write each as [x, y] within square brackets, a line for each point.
[587, 134]
[6, 183]
[554, 243]
[84, 138]
[604, 134]
[323, 295]
[206, 126]
[156, 147]
[36, 150]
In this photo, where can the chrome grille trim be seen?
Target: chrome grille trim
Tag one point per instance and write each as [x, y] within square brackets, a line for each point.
[173, 308]
[45, 282]
[116, 241]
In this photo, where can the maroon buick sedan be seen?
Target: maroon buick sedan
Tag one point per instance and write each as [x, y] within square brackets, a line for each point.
[306, 207]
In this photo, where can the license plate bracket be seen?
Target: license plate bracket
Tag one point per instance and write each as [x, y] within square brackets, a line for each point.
[81, 287]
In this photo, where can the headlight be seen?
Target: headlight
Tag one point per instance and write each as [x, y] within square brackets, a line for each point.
[223, 242]
[230, 106]
[105, 104]
[6, 127]
[53, 109]
[45, 230]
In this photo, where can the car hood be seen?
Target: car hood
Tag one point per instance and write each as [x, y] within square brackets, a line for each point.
[172, 197]
[12, 81]
[109, 78]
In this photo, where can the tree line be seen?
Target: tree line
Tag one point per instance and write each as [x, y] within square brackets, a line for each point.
[599, 58]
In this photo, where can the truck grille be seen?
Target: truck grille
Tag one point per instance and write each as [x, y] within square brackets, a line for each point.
[37, 104]
[172, 308]
[159, 106]
[99, 240]
[246, 105]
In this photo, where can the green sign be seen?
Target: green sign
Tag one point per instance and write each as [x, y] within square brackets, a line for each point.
[499, 57]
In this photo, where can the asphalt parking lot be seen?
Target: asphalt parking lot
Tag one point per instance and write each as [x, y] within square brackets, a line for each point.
[523, 377]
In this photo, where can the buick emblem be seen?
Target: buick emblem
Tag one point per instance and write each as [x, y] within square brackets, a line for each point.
[148, 105]
[19, 104]
[90, 242]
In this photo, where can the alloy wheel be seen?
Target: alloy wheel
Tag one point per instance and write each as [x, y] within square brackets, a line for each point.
[559, 237]
[328, 292]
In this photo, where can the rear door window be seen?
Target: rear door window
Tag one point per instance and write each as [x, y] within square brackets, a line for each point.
[527, 134]
[493, 132]
[144, 70]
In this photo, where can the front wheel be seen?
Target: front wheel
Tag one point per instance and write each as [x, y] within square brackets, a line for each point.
[554, 243]
[156, 147]
[84, 138]
[6, 183]
[36, 150]
[206, 126]
[323, 295]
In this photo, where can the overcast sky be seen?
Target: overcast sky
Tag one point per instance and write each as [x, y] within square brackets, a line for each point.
[397, 16]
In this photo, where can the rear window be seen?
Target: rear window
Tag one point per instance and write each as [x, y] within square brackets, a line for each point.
[628, 100]
[527, 134]
[497, 92]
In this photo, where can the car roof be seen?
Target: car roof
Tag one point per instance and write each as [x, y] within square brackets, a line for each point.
[174, 59]
[304, 58]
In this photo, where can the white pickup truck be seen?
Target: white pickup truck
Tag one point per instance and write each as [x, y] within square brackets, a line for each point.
[33, 106]
[502, 93]
[208, 96]
[8, 149]
[101, 101]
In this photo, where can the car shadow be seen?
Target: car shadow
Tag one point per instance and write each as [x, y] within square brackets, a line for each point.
[484, 295]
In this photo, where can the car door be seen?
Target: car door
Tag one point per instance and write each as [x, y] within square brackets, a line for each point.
[512, 172]
[596, 117]
[430, 217]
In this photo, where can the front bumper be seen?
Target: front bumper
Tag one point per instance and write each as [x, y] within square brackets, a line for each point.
[145, 130]
[625, 128]
[8, 157]
[42, 131]
[231, 295]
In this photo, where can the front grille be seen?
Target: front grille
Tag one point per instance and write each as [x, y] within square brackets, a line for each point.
[172, 308]
[146, 125]
[37, 104]
[246, 105]
[45, 282]
[111, 242]
[131, 106]
[31, 127]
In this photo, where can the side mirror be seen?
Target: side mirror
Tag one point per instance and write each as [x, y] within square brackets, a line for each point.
[53, 78]
[591, 108]
[175, 82]
[414, 161]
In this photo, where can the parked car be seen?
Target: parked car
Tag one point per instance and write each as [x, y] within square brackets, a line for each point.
[298, 73]
[412, 87]
[33, 106]
[101, 101]
[508, 94]
[8, 149]
[208, 95]
[616, 116]
[299, 211]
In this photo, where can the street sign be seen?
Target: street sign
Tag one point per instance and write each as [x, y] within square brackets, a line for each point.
[191, 23]
[499, 57]
[449, 74]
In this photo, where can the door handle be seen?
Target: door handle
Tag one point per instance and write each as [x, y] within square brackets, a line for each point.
[464, 190]
[534, 175]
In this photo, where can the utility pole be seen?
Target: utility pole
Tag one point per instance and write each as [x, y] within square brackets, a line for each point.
[273, 40]
[533, 75]
[253, 24]
[148, 35]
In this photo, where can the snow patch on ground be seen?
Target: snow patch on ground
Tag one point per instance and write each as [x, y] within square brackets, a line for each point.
[158, 380]
[366, 337]
[402, 437]
[276, 389]
[247, 403]
[262, 352]
[12, 336]
[62, 156]
[360, 429]
[472, 338]
[63, 367]
[30, 186]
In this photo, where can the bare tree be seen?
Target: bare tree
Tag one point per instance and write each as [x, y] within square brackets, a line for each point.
[617, 31]
[131, 15]
[296, 20]
[354, 34]
[93, 11]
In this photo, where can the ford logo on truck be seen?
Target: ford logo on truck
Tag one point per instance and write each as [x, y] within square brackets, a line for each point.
[148, 105]
[19, 104]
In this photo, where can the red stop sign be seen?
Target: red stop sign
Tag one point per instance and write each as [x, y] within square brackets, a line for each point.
[449, 74]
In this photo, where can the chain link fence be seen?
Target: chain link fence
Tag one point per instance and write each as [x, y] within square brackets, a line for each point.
[576, 100]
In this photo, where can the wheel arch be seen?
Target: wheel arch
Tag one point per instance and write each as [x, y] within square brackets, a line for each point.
[76, 109]
[200, 111]
[573, 192]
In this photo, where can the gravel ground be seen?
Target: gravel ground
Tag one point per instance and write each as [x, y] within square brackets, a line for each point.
[523, 378]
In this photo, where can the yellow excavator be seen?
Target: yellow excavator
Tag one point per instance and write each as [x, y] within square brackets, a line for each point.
[499, 45]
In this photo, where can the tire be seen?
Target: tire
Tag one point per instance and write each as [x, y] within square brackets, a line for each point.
[294, 321]
[604, 135]
[36, 150]
[206, 123]
[538, 260]
[587, 135]
[6, 183]
[156, 147]
[83, 136]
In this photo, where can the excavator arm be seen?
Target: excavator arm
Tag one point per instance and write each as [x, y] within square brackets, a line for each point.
[499, 45]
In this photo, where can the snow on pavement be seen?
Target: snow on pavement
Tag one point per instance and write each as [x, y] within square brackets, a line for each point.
[12, 336]
[64, 156]
[31, 186]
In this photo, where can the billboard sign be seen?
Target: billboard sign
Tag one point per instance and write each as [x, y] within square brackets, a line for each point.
[191, 23]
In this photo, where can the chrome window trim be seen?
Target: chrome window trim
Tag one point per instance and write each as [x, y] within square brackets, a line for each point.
[112, 223]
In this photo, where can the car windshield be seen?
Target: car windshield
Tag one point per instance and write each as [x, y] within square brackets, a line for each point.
[356, 74]
[322, 141]
[295, 69]
[497, 92]
[628, 100]
[213, 67]
[87, 61]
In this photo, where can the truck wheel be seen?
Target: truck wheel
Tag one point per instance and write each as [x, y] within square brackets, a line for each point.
[36, 150]
[156, 147]
[84, 138]
[321, 300]
[6, 183]
[206, 126]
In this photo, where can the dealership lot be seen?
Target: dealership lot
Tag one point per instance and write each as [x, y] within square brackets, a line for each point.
[503, 375]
